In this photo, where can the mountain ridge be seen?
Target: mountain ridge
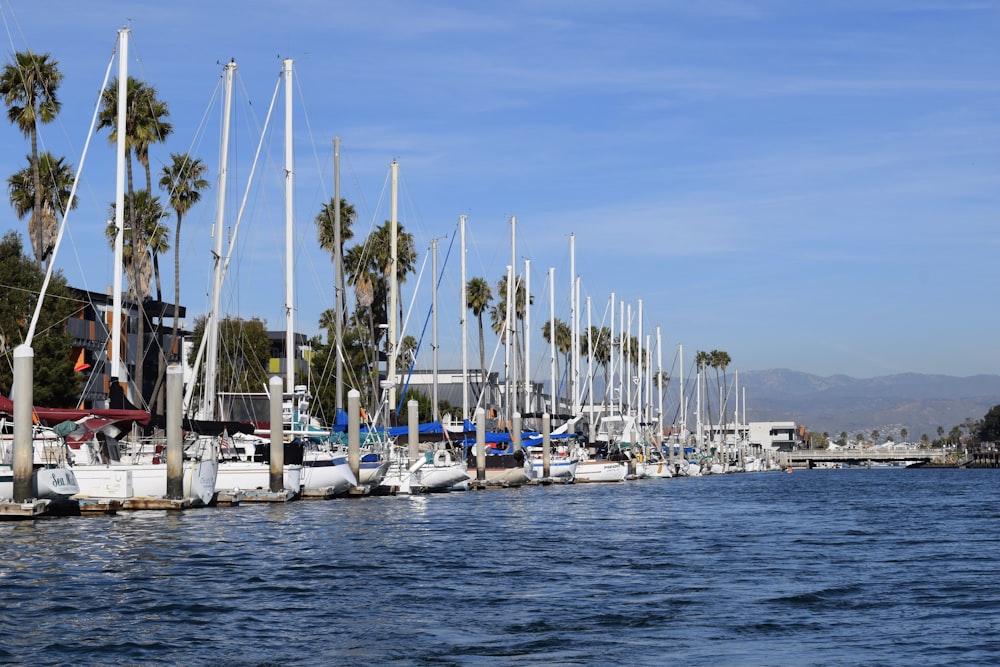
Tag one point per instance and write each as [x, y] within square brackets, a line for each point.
[918, 402]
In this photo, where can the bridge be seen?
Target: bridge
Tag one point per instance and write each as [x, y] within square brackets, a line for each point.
[808, 458]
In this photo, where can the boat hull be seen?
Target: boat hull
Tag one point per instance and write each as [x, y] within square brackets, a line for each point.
[255, 475]
[601, 471]
[124, 480]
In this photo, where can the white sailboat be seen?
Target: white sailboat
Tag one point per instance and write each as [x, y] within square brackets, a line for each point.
[115, 476]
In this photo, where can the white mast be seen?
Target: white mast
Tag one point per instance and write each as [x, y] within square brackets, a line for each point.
[552, 339]
[391, 315]
[289, 238]
[116, 312]
[434, 330]
[527, 336]
[573, 360]
[627, 357]
[210, 398]
[338, 268]
[621, 357]
[578, 394]
[508, 343]
[659, 385]
[680, 385]
[590, 370]
[512, 366]
[464, 318]
[611, 355]
[639, 375]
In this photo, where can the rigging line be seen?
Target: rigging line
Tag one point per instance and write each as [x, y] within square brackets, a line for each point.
[409, 312]
[423, 332]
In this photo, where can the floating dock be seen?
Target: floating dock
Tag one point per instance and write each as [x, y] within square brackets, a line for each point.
[29, 509]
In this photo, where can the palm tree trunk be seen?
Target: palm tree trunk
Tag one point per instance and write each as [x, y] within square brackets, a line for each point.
[37, 207]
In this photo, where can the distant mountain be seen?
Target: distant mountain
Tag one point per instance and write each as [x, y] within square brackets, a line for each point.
[919, 403]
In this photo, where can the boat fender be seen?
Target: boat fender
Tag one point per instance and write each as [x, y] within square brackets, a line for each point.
[441, 458]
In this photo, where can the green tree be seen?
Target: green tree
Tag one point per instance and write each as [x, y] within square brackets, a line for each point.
[56, 181]
[564, 344]
[325, 223]
[245, 353]
[56, 384]
[989, 427]
[600, 340]
[478, 298]
[183, 180]
[369, 267]
[28, 85]
[145, 124]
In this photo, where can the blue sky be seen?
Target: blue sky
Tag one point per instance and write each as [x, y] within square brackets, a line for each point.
[813, 186]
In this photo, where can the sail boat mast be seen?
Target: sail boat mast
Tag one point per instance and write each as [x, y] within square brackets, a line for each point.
[212, 326]
[391, 315]
[338, 269]
[289, 236]
[463, 309]
[116, 311]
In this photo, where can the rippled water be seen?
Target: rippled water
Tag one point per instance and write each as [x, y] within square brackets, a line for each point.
[842, 567]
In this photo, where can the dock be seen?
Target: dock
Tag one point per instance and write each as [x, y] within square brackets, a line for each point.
[268, 496]
[29, 509]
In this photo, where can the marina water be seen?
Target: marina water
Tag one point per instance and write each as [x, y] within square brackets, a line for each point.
[826, 567]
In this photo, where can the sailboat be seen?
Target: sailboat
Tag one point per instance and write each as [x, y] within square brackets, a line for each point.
[101, 463]
[312, 462]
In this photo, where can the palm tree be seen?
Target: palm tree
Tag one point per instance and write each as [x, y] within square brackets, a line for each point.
[719, 359]
[140, 261]
[183, 180]
[368, 268]
[56, 183]
[477, 299]
[327, 232]
[563, 343]
[29, 85]
[703, 360]
[600, 339]
[145, 124]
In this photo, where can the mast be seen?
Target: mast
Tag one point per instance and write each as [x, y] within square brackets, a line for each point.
[639, 375]
[511, 331]
[578, 396]
[464, 310]
[572, 373]
[391, 315]
[338, 269]
[611, 358]
[289, 237]
[526, 376]
[210, 398]
[680, 385]
[591, 422]
[434, 330]
[116, 308]
[508, 342]
[552, 339]
[659, 385]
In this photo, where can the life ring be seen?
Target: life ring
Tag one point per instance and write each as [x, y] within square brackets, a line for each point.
[441, 458]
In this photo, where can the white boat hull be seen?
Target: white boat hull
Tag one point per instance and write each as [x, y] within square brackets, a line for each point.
[601, 471]
[126, 480]
[46, 483]
[327, 470]
[563, 470]
[255, 475]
